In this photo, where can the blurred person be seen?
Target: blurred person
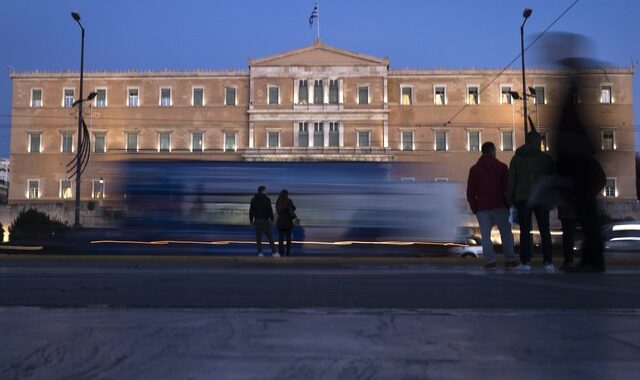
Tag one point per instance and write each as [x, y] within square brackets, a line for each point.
[568, 215]
[487, 197]
[527, 168]
[286, 216]
[261, 217]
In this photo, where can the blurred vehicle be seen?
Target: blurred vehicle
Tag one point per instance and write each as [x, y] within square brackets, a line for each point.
[471, 247]
[619, 239]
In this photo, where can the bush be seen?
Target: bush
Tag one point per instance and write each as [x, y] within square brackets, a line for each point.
[34, 225]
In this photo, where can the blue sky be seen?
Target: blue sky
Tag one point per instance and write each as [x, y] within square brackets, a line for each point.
[208, 34]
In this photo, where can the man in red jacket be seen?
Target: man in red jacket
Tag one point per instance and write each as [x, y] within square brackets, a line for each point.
[487, 196]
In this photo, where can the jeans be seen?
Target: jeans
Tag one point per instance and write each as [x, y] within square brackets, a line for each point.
[263, 226]
[282, 235]
[499, 217]
[542, 218]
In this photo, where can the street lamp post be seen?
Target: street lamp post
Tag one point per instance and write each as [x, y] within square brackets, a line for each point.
[526, 13]
[76, 16]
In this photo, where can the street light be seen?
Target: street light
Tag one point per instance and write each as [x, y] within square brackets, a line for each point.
[76, 17]
[526, 13]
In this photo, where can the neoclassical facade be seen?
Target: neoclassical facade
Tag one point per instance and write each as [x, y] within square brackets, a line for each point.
[314, 103]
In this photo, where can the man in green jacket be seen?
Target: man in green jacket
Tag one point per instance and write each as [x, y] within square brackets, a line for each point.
[528, 166]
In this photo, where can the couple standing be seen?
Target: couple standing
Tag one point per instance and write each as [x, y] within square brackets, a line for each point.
[261, 217]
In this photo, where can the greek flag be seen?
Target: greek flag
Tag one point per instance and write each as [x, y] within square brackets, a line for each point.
[314, 15]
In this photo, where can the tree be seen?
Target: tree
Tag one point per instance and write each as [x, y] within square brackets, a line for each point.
[33, 225]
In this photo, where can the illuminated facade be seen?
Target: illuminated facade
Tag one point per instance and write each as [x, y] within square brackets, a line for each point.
[314, 103]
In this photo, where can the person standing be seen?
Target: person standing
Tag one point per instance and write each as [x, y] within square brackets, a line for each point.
[527, 168]
[261, 217]
[487, 197]
[286, 215]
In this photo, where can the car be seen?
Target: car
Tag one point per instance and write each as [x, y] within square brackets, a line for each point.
[467, 247]
[620, 239]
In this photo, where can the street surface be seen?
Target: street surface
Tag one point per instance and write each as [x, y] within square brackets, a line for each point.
[160, 319]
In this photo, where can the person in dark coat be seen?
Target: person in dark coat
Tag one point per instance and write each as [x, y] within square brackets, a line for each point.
[261, 217]
[487, 197]
[286, 215]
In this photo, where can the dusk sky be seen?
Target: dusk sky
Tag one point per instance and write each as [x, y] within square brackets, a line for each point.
[206, 34]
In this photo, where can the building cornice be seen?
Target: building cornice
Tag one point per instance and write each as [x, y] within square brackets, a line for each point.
[131, 74]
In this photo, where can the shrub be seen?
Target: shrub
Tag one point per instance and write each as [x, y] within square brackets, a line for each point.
[33, 224]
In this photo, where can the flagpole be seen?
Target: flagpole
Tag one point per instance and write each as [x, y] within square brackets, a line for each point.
[318, 19]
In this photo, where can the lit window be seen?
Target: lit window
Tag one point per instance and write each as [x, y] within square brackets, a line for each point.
[605, 94]
[273, 139]
[407, 140]
[65, 189]
[473, 95]
[133, 97]
[35, 142]
[229, 142]
[132, 142]
[165, 97]
[36, 97]
[334, 134]
[164, 141]
[101, 97]
[544, 142]
[33, 188]
[318, 134]
[197, 141]
[610, 189]
[68, 97]
[98, 189]
[363, 95]
[539, 96]
[507, 140]
[198, 97]
[100, 142]
[440, 140]
[608, 140]
[67, 142]
[406, 98]
[303, 135]
[273, 95]
[473, 138]
[505, 95]
[303, 92]
[440, 95]
[318, 92]
[364, 138]
[230, 96]
[334, 91]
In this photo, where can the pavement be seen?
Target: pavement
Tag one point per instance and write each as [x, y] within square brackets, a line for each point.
[111, 318]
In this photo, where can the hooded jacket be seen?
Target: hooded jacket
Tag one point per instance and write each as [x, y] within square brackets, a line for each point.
[487, 184]
[527, 167]
[260, 208]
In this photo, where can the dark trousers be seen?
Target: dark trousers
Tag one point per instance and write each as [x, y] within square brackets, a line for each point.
[542, 218]
[568, 239]
[286, 233]
[263, 226]
[592, 254]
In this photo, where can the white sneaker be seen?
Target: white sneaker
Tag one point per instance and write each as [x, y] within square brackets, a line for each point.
[276, 255]
[523, 268]
[260, 254]
[549, 268]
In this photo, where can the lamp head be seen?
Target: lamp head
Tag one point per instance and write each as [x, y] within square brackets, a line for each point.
[527, 12]
[532, 91]
[515, 95]
[101, 180]
[92, 95]
[76, 16]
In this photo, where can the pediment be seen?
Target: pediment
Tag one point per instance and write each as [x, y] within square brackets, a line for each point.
[318, 54]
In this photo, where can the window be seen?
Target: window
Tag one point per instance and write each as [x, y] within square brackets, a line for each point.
[334, 91]
[133, 98]
[318, 92]
[334, 134]
[440, 140]
[505, 95]
[473, 94]
[364, 138]
[165, 97]
[406, 142]
[303, 134]
[605, 94]
[544, 143]
[36, 97]
[318, 134]
[439, 95]
[35, 142]
[363, 95]
[608, 140]
[66, 145]
[68, 97]
[98, 189]
[65, 189]
[273, 139]
[197, 97]
[539, 95]
[507, 140]
[33, 188]
[473, 142]
[406, 98]
[230, 142]
[101, 97]
[303, 92]
[164, 141]
[230, 96]
[197, 142]
[99, 142]
[132, 142]
[610, 189]
[273, 95]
